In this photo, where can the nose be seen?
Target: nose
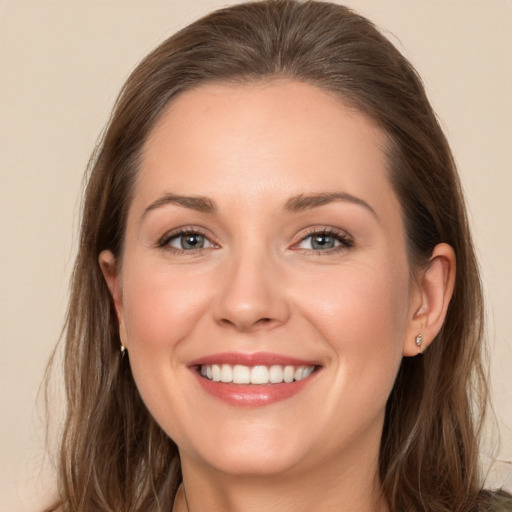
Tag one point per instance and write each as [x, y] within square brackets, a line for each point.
[252, 294]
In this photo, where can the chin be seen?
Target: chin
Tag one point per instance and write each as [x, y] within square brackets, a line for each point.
[256, 453]
[252, 464]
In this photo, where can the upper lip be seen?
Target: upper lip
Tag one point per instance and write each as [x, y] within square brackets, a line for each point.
[252, 359]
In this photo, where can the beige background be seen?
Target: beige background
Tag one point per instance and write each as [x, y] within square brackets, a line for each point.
[61, 65]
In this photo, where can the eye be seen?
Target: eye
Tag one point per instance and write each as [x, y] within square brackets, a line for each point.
[186, 241]
[324, 241]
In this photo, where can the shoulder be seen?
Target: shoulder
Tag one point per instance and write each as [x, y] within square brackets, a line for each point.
[495, 501]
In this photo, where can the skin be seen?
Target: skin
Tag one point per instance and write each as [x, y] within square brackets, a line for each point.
[258, 284]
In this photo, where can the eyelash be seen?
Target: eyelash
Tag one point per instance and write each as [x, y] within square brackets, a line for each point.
[164, 242]
[346, 242]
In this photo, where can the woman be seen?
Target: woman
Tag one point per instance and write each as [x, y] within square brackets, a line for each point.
[276, 301]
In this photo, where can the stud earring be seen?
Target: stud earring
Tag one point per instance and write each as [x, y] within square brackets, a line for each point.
[419, 342]
[123, 349]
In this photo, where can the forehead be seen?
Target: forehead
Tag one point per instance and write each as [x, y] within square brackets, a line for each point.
[278, 136]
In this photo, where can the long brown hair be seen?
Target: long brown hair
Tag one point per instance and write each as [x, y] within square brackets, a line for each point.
[114, 457]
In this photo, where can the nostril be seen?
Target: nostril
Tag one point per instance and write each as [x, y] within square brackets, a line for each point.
[263, 321]
[249, 325]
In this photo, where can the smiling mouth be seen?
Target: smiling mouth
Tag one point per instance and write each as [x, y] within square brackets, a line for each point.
[258, 374]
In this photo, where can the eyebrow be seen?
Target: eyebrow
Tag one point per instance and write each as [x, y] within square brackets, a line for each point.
[296, 203]
[198, 203]
[303, 202]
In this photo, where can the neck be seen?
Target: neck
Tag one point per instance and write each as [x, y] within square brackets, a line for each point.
[350, 487]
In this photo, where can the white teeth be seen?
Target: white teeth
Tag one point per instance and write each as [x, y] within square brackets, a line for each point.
[226, 373]
[303, 371]
[241, 374]
[275, 374]
[215, 373]
[260, 374]
[307, 371]
[289, 373]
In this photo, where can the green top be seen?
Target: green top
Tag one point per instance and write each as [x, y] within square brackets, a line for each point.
[500, 501]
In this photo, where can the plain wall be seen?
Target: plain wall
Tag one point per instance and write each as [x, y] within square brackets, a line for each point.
[61, 66]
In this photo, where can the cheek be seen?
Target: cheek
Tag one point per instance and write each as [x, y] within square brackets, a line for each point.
[160, 306]
[359, 300]
[161, 309]
[362, 313]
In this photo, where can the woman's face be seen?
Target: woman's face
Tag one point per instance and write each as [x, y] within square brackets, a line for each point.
[264, 242]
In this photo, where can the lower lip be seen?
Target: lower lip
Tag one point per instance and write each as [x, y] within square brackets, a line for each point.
[253, 395]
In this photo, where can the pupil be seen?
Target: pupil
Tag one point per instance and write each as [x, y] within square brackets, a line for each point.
[192, 241]
[323, 242]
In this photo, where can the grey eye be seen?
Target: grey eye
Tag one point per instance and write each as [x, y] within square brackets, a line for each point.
[320, 242]
[188, 241]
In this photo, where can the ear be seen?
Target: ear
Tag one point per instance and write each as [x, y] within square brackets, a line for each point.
[430, 299]
[111, 273]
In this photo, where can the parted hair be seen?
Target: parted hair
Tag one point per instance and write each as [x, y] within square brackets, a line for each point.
[113, 455]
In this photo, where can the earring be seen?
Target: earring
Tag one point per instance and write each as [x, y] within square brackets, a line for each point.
[123, 349]
[419, 342]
